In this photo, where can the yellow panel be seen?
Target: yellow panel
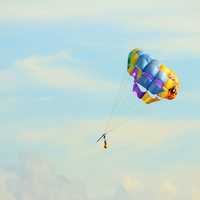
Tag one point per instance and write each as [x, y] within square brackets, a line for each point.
[164, 93]
[134, 59]
[169, 84]
[130, 69]
[165, 69]
[135, 50]
[139, 73]
[148, 99]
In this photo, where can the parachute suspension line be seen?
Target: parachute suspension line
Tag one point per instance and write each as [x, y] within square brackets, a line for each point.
[115, 103]
[122, 99]
[125, 102]
[117, 99]
[125, 121]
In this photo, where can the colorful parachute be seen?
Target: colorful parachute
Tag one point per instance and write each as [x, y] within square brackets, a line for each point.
[152, 81]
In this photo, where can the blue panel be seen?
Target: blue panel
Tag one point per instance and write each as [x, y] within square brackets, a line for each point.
[143, 60]
[162, 76]
[140, 52]
[144, 81]
[152, 68]
[155, 88]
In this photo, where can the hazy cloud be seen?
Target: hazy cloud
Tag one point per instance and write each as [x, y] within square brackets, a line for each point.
[46, 70]
[37, 180]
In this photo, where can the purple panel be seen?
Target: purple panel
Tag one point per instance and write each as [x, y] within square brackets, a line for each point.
[159, 83]
[137, 90]
[135, 72]
[148, 75]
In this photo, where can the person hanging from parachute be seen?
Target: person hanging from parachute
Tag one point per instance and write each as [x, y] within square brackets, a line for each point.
[152, 81]
[104, 140]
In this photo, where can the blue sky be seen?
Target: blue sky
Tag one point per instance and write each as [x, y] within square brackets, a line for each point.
[61, 65]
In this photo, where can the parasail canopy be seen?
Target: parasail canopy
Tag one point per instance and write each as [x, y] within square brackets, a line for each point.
[153, 81]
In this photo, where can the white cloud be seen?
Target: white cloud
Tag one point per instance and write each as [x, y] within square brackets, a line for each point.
[4, 190]
[133, 133]
[162, 17]
[168, 188]
[195, 193]
[177, 45]
[131, 183]
[77, 139]
[177, 184]
[38, 180]
[167, 35]
[184, 24]
[147, 133]
[46, 70]
[107, 9]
